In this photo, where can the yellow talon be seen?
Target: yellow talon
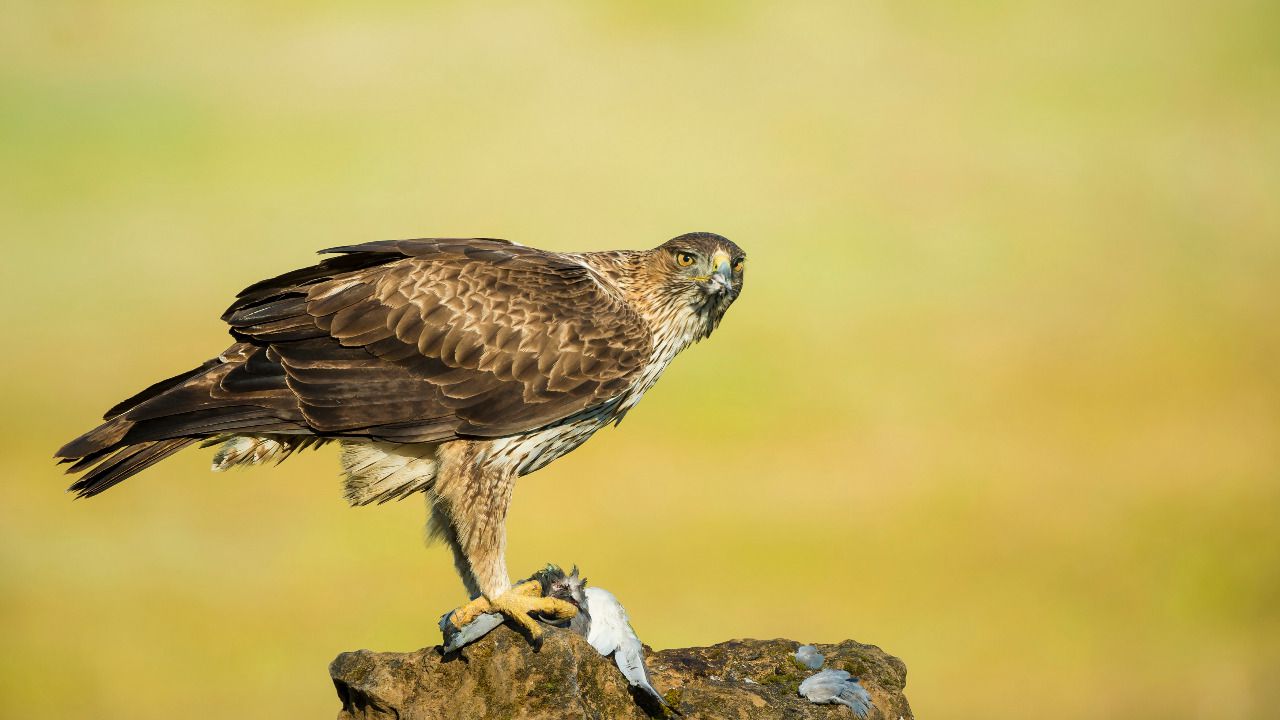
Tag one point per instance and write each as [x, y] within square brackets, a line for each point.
[467, 614]
[515, 605]
[532, 588]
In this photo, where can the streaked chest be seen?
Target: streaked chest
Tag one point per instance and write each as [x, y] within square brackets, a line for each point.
[531, 451]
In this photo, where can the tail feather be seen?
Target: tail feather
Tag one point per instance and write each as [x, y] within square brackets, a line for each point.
[106, 437]
[158, 389]
[207, 422]
[172, 414]
[115, 433]
[124, 462]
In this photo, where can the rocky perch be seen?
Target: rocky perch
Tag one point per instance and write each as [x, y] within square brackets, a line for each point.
[502, 676]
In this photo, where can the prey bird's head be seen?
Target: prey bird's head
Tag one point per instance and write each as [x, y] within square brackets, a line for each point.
[703, 271]
[556, 583]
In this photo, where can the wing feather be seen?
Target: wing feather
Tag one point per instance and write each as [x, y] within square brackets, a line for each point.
[437, 339]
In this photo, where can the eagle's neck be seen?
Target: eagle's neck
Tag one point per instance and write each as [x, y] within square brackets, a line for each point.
[674, 323]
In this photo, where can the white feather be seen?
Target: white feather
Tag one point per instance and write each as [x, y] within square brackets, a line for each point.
[247, 450]
[611, 633]
[380, 469]
[831, 687]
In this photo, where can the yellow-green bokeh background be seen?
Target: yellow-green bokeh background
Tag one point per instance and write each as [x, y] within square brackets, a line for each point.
[1001, 394]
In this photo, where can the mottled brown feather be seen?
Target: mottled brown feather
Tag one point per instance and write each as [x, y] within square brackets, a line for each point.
[498, 337]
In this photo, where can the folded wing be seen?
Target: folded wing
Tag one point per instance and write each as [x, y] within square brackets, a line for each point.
[406, 341]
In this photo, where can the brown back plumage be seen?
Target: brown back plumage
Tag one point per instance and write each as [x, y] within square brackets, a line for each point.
[407, 341]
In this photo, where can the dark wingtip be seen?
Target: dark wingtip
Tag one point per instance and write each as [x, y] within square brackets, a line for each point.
[106, 469]
[83, 489]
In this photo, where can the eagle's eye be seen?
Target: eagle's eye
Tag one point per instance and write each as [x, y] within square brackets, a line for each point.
[737, 264]
[684, 259]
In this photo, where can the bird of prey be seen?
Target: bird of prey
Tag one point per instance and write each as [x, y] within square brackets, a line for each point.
[449, 367]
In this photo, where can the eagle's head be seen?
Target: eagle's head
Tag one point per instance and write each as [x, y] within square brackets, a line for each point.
[702, 272]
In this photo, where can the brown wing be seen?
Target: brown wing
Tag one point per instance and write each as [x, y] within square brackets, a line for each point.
[410, 341]
[427, 340]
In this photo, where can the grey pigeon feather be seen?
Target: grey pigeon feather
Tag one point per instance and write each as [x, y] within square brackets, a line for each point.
[831, 687]
[809, 656]
[455, 639]
[611, 633]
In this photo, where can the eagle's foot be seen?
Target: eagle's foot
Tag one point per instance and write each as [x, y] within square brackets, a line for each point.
[516, 605]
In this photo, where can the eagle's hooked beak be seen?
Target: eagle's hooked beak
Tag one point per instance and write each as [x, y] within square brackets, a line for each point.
[722, 278]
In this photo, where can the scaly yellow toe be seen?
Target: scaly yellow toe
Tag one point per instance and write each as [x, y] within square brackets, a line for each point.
[467, 613]
[517, 605]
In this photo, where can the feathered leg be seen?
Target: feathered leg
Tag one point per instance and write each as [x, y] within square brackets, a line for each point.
[440, 527]
[474, 498]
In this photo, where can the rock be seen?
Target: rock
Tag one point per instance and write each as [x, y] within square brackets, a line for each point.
[502, 676]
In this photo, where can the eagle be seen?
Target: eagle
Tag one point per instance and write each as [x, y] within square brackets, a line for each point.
[443, 366]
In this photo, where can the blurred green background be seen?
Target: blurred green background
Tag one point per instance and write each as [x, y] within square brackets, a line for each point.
[1001, 394]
